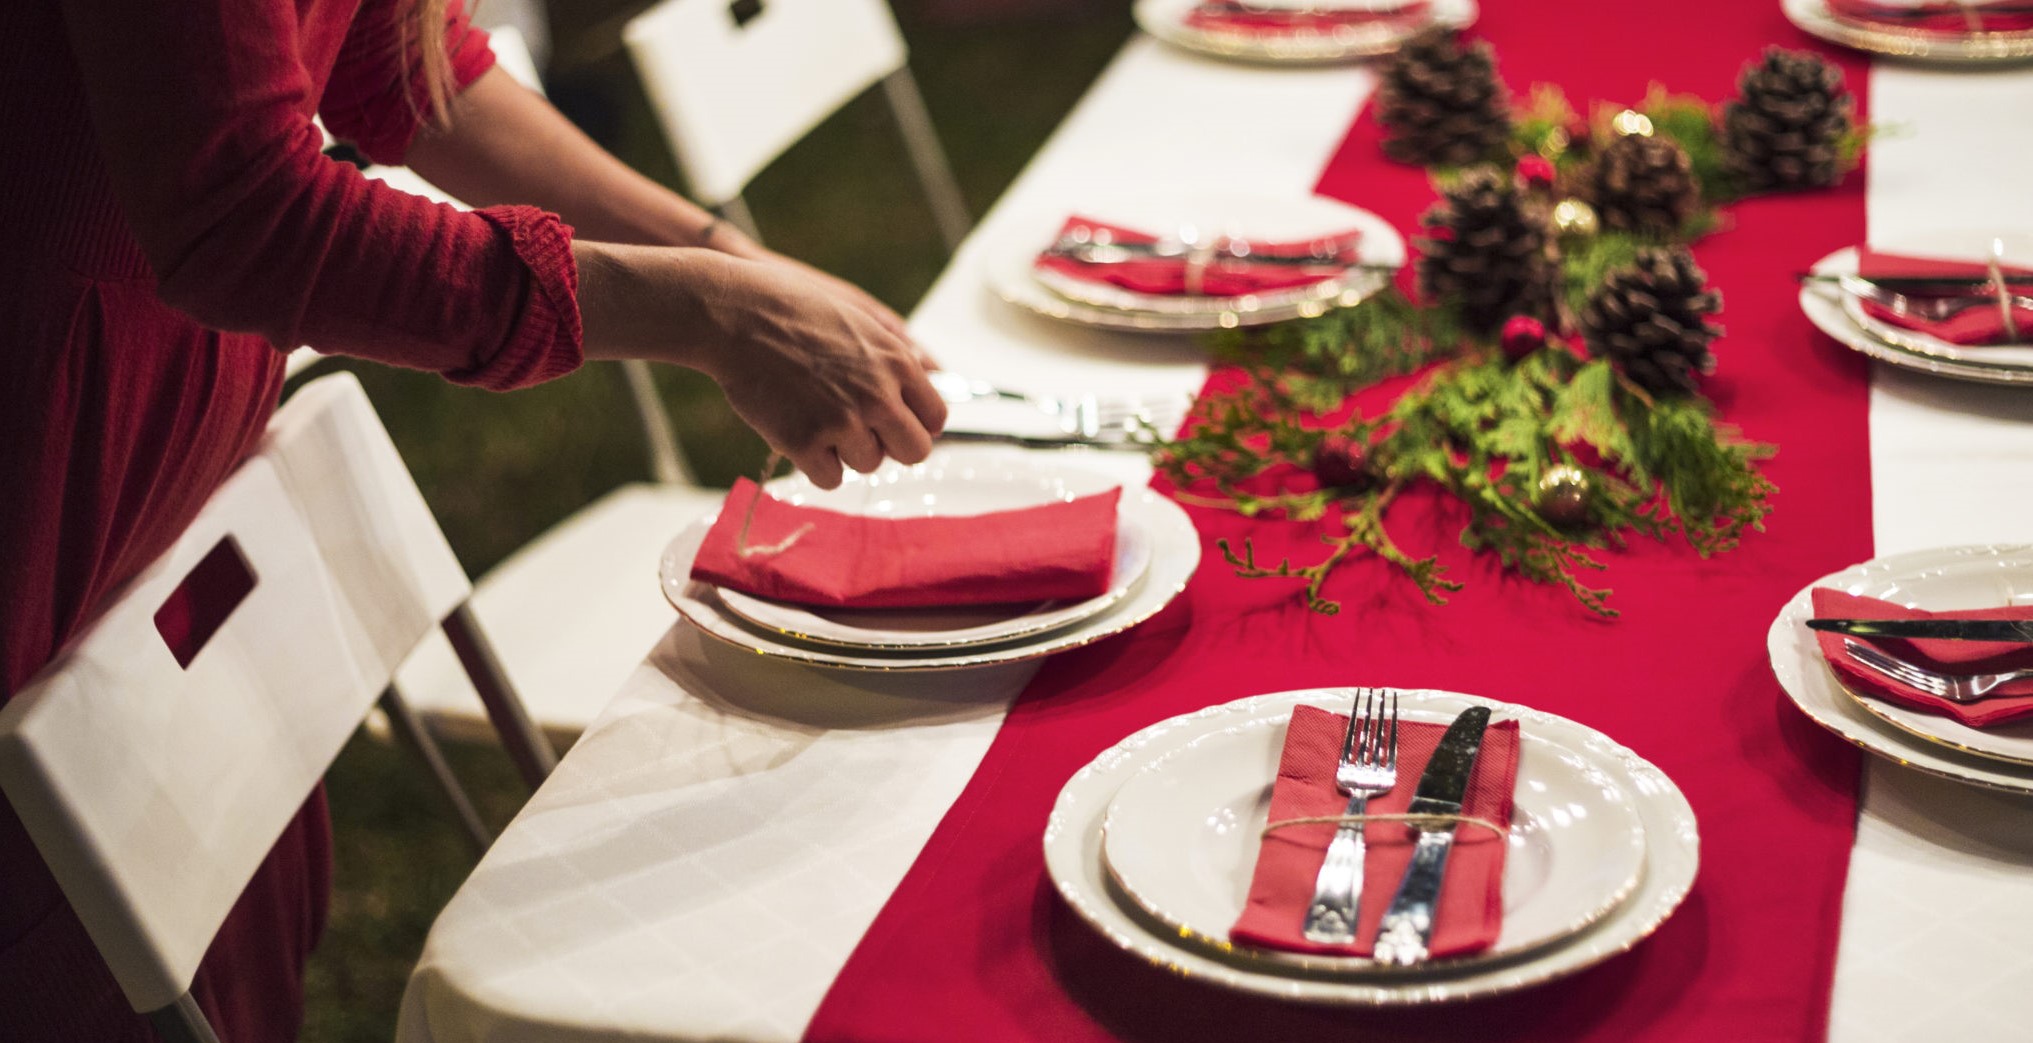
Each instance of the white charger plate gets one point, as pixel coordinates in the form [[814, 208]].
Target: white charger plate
[[1182, 835], [1073, 859], [1946, 578], [1166, 20], [1009, 260], [956, 480], [1814, 17], [1824, 307], [960, 626]]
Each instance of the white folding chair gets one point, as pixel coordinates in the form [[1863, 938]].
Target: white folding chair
[[161, 754], [735, 84]]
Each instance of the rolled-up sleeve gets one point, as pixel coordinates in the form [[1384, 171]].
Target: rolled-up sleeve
[[201, 110]]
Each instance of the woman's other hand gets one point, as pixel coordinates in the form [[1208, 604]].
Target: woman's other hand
[[817, 370]]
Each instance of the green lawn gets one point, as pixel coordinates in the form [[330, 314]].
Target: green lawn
[[499, 469]]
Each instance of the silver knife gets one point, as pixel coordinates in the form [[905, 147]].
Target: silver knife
[[1407, 927], [2020, 630]]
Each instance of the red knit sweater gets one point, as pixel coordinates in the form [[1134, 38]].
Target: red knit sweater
[[168, 227]]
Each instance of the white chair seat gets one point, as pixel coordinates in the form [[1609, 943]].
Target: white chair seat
[[571, 614]]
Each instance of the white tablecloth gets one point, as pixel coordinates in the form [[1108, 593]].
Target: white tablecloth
[[706, 858]]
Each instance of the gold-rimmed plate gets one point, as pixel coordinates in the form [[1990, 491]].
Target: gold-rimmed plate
[[1827, 307], [1009, 260], [958, 474], [1938, 579], [2011, 742], [1182, 835], [1166, 20], [1814, 17], [1073, 860]]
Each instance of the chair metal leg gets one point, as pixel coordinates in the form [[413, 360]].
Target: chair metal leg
[[412, 733], [666, 462], [736, 211], [949, 208], [182, 1022], [527, 745]]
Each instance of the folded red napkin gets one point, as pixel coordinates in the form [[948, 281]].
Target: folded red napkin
[[1471, 899], [1977, 325], [1061, 550], [2008, 703], [1226, 276], [1955, 19], [1238, 16]]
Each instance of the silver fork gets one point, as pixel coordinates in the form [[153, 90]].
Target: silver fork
[[1086, 416], [1933, 309], [1956, 688], [1368, 767]]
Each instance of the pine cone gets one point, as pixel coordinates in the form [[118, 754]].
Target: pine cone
[[1786, 130], [1650, 321], [1441, 104], [1487, 251], [1643, 183]]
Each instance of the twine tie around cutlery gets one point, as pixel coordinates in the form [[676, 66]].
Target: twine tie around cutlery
[[768, 550], [1405, 817], [2004, 292]]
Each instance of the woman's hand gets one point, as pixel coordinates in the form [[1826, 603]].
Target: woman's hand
[[824, 380], [821, 376]]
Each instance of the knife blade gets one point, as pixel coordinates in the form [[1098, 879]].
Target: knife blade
[[2019, 630], [1406, 932]]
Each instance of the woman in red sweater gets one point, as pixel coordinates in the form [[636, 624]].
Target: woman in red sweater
[[169, 227]]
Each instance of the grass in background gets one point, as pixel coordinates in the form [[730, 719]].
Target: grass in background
[[500, 469]]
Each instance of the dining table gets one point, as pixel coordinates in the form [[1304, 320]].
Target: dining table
[[743, 848]]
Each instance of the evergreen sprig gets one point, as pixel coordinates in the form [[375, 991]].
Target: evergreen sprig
[[1486, 432]]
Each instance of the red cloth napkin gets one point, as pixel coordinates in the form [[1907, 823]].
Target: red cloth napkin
[[1953, 19], [1062, 550], [1237, 16], [1979, 325], [2008, 703], [1224, 277], [1471, 911]]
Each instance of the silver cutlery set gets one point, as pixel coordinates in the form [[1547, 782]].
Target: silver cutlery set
[[1082, 421], [1368, 768], [1959, 688]]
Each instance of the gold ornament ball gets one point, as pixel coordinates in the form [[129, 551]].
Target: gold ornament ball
[[1631, 121], [1564, 494], [1575, 219]]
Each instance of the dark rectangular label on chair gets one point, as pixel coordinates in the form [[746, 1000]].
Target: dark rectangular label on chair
[[744, 11], [198, 607]]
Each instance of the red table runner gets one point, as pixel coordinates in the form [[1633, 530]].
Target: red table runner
[[975, 945]]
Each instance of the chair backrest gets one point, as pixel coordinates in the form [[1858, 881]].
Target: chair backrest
[[371, 524], [156, 760], [735, 84]]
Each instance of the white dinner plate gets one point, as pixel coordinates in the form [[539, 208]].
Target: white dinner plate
[[1813, 16], [1073, 859], [1182, 835], [1946, 578], [1825, 307], [1166, 20], [955, 480], [1010, 270], [957, 627]]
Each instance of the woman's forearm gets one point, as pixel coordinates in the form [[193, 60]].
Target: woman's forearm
[[508, 144]]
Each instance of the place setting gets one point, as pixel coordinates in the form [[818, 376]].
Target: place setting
[[1959, 304], [972, 558], [1173, 263], [1954, 32], [1924, 658], [1296, 31], [1371, 846]]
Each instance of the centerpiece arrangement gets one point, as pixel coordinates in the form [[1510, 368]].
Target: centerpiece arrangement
[[1561, 323]]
